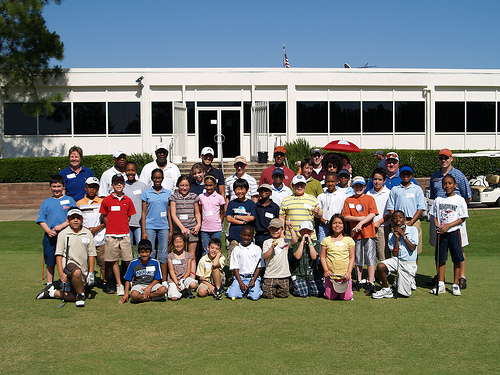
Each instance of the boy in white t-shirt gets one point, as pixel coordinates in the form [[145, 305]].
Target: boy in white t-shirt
[[449, 214], [331, 202]]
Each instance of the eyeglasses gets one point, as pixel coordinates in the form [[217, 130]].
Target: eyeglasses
[[444, 157], [279, 154]]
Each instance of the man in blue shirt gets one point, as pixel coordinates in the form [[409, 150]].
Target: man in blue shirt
[[392, 168]]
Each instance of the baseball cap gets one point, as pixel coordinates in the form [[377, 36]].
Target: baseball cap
[[276, 223], [207, 151], [339, 286], [392, 155], [240, 159], [344, 172], [264, 186], [117, 178], [358, 180], [118, 153], [74, 211], [161, 146], [306, 225], [406, 168], [91, 181], [299, 179], [278, 171], [379, 152], [446, 152], [280, 149], [316, 150]]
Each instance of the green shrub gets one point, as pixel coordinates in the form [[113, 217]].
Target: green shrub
[[297, 150]]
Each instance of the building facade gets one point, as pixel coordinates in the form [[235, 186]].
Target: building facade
[[251, 110]]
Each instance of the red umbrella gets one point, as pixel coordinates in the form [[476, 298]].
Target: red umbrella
[[342, 145]]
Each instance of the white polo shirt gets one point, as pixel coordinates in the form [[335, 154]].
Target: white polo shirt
[[171, 174]]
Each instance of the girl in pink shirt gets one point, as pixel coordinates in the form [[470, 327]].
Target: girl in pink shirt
[[212, 213]]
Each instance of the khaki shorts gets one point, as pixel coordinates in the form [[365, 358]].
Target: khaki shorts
[[100, 256], [205, 286], [117, 248], [382, 240], [140, 288], [417, 224], [174, 292], [71, 268], [190, 237]]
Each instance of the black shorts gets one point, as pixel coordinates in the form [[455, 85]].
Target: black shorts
[[451, 241]]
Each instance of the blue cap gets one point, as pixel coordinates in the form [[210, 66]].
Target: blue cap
[[406, 168], [278, 171]]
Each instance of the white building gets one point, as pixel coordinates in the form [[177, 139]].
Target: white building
[[132, 109]]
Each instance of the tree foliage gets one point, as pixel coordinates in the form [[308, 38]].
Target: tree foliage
[[26, 50]]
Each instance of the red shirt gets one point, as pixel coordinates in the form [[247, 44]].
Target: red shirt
[[118, 211], [362, 206], [267, 175]]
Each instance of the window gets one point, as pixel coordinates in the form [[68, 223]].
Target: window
[[312, 117], [480, 117], [17, 122], [190, 117], [277, 117], [345, 117], [124, 118], [161, 118], [450, 117], [377, 117], [57, 123], [89, 118], [219, 104], [410, 117], [247, 117]]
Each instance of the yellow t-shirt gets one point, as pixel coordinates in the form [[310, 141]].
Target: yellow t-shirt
[[204, 268], [337, 254]]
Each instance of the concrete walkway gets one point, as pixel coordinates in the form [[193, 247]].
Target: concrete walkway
[[29, 214]]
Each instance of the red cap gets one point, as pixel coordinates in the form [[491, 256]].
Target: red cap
[[280, 149], [445, 152]]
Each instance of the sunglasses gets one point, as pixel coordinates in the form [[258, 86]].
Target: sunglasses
[[444, 157]]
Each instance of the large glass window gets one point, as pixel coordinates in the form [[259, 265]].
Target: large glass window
[[450, 117], [89, 118], [17, 122], [161, 118], [410, 117], [277, 117], [57, 123], [345, 117], [312, 117], [377, 117], [247, 117], [124, 118], [190, 117], [480, 117]]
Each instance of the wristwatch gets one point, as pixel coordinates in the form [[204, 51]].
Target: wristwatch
[[244, 222]]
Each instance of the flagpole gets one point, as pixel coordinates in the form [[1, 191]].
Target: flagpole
[[284, 58]]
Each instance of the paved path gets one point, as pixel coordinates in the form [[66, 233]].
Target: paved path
[[29, 214]]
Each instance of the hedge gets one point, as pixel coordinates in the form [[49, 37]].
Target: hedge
[[40, 169]]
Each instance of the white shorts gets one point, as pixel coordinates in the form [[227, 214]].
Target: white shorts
[[140, 288], [173, 292], [407, 272]]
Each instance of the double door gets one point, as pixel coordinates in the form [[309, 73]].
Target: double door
[[220, 124]]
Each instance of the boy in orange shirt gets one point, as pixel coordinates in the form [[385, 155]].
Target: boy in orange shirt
[[359, 210]]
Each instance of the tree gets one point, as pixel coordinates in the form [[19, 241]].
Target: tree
[[26, 50]]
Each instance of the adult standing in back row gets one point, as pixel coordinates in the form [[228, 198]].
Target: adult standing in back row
[[170, 171], [266, 176], [76, 174], [120, 160], [207, 157], [392, 168]]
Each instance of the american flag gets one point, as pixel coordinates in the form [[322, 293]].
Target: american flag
[[286, 64]]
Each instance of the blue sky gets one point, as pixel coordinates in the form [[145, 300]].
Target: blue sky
[[317, 34]]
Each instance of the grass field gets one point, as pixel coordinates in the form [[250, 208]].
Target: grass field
[[421, 334]]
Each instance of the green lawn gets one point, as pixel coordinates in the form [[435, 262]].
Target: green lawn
[[422, 334]]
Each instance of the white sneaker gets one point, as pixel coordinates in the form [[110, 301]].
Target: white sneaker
[[440, 290], [120, 290], [383, 293], [413, 285], [80, 300], [455, 290]]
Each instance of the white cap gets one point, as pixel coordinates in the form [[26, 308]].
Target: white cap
[[92, 181], [117, 154], [306, 225], [299, 179], [160, 146], [74, 211], [358, 180], [207, 150]]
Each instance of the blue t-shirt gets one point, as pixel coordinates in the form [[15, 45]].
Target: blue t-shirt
[[75, 183], [197, 188], [407, 199], [143, 274], [236, 207], [390, 182], [54, 211], [157, 203], [404, 253], [264, 214]]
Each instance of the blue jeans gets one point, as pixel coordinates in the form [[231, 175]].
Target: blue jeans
[[162, 243], [235, 291], [205, 239], [135, 237], [322, 232]]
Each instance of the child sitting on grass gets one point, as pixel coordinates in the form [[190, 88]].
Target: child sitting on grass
[[402, 242], [337, 260], [449, 214], [76, 251], [246, 262], [145, 275], [209, 271], [180, 282]]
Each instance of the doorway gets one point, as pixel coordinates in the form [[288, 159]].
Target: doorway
[[224, 123]]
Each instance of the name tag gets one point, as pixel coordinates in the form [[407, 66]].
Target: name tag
[[85, 240], [339, 243], [116, 208], [208, 213], [269, 215], [410, 195], [150, 269], [208, 265], [308, 206], [183, 217], [66, 201], [163, 214], [176, 261], [351, 205], [137, 192], [71, 175]]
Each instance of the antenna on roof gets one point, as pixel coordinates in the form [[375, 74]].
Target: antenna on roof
[[367, 66]]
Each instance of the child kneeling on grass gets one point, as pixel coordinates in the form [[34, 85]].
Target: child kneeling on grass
[[75, 249], [209, 271], [275, 249], [145, 275], [179, 261], [246, 262], [403, 242]]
